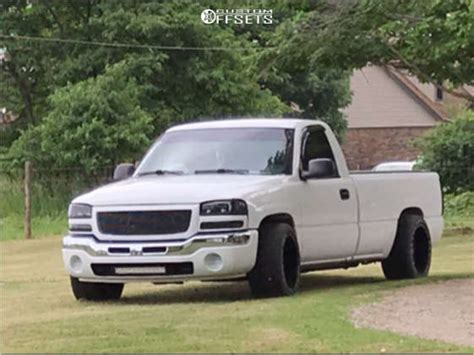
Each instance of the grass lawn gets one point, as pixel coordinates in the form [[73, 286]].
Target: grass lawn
[[11, 226], [38, 312]]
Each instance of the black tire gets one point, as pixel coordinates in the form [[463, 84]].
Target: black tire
[[277, 269], [92, 291], [410, 256]]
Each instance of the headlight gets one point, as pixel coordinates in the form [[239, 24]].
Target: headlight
[[79, 211], [223, 207]]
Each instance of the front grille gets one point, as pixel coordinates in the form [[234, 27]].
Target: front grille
[[144, 222], [169, 269]]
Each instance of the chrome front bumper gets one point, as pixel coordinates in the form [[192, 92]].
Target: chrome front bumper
[[213, 256]]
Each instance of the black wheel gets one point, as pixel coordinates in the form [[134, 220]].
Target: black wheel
[[92, 291], [277, 270], [410, 256]]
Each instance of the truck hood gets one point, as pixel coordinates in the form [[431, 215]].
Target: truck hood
[[180, 189]]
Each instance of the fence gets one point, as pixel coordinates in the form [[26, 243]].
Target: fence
[[39, 191]]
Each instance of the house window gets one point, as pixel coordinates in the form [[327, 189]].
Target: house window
[[439, 94]]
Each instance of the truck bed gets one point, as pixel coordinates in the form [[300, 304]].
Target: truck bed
[[381, 198]]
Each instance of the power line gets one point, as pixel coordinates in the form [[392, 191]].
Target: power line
[[160, 47], [121, 45], [165, 48]]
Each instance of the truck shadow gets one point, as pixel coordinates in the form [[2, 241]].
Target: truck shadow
[[217, 292], [316, 283]]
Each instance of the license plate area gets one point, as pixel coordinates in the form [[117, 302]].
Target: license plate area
[[135, 269], [144, 270]]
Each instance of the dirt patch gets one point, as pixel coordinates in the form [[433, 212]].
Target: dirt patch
[[441, 311], [269, 338]]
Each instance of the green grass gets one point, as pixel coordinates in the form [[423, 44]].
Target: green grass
[[38, 312], [11, 227], [458, 225], [49, 209]]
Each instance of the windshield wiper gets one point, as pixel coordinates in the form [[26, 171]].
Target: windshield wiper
[[222, 171], [162, 172]]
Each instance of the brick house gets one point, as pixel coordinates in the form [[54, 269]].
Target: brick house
[[389, 110]]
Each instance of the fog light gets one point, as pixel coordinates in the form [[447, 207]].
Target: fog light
[[76, 263], [213, 262], [238, 238]]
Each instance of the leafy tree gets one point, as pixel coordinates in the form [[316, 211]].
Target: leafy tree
[[449, 150], [309, 89], [93, 123], [315, 93], [29, 69], [168, 85], [171, 85], [432, 39]]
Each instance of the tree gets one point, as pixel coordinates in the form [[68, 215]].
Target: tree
[[316, 93], [432, 39], [449, 150], [29, 69], [67, 46], [94, 123], [171, 85], [309, 89], [193, 78]]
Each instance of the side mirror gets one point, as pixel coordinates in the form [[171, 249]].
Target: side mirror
[[319, 168], [123, 171]]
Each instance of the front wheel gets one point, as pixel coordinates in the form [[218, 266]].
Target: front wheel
[[92, 291], [277, 270], [410, 256]]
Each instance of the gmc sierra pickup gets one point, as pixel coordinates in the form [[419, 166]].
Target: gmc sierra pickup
[[264, 199]]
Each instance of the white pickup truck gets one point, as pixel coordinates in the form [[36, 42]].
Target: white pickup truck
[[262, 199]]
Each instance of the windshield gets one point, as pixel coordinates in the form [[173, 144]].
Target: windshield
[[263, 151]]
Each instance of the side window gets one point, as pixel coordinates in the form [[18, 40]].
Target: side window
[[316, 146]]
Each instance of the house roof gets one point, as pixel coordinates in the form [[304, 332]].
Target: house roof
[[385, 97]]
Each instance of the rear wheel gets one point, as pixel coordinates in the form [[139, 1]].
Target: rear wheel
[[277, 270], [410, 256], [92, 291]]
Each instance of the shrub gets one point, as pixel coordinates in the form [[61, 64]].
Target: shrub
[[461, 205], [449, 150]]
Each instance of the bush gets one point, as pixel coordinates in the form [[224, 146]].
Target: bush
[[449, 150], [461, 205]]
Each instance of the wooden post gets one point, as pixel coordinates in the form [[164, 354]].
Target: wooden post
[[27, 216]]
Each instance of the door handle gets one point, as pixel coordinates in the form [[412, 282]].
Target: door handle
[[344, 193]]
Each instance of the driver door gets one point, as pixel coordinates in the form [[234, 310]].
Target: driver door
[[328, 206]]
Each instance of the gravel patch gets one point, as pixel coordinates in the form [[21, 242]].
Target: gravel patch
[[441, 311]]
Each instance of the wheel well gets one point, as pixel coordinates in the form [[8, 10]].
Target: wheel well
[[411, 210], [278, 218]]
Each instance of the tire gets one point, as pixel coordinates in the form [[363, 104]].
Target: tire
[[92, 291], [410, 256], [277, 269]]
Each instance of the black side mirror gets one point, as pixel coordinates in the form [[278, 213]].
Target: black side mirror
[[319, 168], [124, 171]]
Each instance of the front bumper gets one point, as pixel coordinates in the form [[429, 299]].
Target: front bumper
[[202, 257]]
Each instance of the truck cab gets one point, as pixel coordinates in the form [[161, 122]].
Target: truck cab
[[261, 199]]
